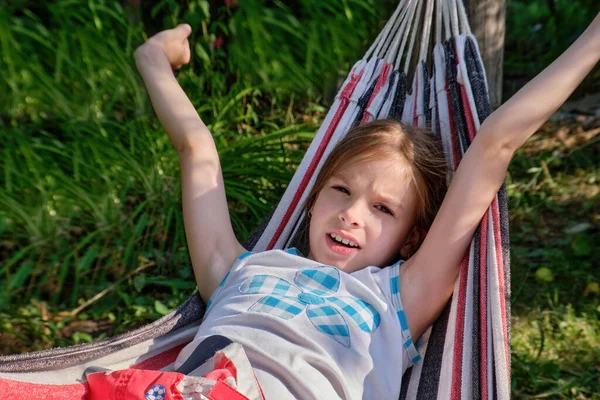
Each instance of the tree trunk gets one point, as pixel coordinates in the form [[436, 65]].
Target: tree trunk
[[487, 20]]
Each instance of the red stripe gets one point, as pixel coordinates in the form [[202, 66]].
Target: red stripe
[[345, 97], [468, 113], [500, 261], [17, 390], [461, 306], [500, 267], [380, 83], [160, 360], [460, 331], [483, 376], [460, 317], [416, 93], [262, 394], [483, 383]]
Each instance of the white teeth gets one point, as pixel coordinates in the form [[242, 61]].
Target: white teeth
[[340, 239]]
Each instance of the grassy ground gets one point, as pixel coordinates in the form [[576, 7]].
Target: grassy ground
[[554, 193], [91, 233]]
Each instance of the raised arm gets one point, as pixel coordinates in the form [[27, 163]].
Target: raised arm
[[428, 278], [211, 241]]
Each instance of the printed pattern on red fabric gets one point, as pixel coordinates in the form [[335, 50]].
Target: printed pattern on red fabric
[[156, 392], [135, 384]]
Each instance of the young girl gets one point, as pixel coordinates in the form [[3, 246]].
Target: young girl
[[339, 322]]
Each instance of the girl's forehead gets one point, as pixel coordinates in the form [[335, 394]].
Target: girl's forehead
[[383, 170], [384, 178]]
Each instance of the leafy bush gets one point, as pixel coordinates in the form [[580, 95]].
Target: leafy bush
[[90, 183], [537, 32], [301, 47]]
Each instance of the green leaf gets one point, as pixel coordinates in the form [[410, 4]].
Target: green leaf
[[19, 278], [582, 245], [161, 308], [139, 282], [82, 337], [201, 52], [86, 261], [126, 298]]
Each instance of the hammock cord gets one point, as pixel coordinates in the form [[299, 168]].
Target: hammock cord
[[438, 22], [464, 21], [427, 22], [384, 34], [404, 31], [393, 40], [394, 46], [454, 18], [446, 15], [413, 37]]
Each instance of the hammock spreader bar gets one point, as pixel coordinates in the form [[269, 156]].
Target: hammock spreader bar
[[466, 353]]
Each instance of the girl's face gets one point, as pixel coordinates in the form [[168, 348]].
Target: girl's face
[[370, 207]]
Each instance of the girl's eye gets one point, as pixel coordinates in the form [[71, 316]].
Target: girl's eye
[[384, 209], [342, 189]]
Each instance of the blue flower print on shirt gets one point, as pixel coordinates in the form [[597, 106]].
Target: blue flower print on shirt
[[314, 293]]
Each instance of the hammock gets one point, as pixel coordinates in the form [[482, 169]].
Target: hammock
[[466, 352]]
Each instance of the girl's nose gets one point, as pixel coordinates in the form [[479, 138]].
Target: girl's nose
[[352, 215]]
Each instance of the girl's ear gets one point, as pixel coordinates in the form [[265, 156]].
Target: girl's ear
[[412, 243]]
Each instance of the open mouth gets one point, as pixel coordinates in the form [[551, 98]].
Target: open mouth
[[336, 243], [344, 242]]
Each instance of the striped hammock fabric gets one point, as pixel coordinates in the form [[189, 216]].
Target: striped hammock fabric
[[466, 353]]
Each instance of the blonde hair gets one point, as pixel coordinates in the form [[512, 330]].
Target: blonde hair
[[380, 140]]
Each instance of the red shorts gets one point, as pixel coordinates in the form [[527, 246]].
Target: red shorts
[[230, 378]]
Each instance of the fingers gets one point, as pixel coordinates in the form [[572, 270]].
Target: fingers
[[184, 30], [187, 54], [175, 45]]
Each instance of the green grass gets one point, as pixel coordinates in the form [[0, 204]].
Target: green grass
[[90, 182], [91, 230], [554, 198]]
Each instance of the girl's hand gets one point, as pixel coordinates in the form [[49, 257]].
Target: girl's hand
[[172, 42]]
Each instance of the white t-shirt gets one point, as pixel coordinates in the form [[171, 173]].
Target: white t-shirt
[[310, 330]]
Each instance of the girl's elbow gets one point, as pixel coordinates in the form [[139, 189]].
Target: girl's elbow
[[497, 144]]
